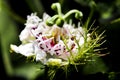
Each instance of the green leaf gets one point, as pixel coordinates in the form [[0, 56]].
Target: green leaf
[[93, 67], [29, 70], [8, 34], [26, 68]]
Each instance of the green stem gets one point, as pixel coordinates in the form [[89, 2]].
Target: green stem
[[58, 7], [51, 20], [54, 17], [71, 12]]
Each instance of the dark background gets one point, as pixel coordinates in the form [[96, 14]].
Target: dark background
[[22, 9]]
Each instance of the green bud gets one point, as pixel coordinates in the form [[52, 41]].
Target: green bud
[[60, 22], [49, 22], [54, 7], [78, 15], [92, 4]]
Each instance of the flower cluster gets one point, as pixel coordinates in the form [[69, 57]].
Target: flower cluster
[[57, 43], [49, 43]]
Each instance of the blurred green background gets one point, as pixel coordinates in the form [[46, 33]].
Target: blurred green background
[[13, 14]]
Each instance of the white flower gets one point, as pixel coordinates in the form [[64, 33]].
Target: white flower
[[50, 45], [32, 23]]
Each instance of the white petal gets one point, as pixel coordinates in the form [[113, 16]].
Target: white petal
[[81, 41], [58, 49], [70, 43], [14, 48], [26, 36], [46, 45], [40, 55], [33, 19], [45, 16], [81, 30], [26, 49]]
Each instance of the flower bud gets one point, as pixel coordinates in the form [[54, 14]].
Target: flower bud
[[92, 4], [54, 7], [78, 15], [54, 62], [49, 22], [60, 22]]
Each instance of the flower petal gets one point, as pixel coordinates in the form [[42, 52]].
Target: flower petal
[[46, 45], [58, 49], [24, 49]]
